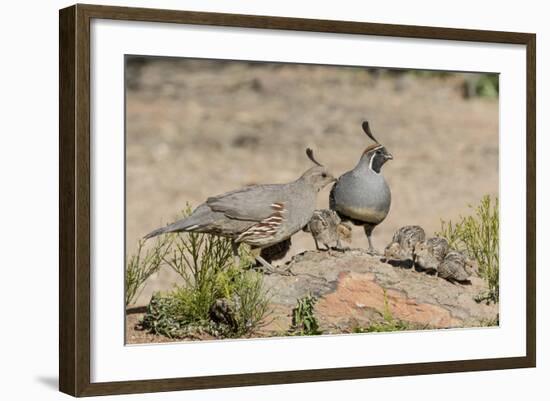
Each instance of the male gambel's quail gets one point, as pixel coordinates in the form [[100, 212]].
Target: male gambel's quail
[[362, 195], [456, 267], [403, 243], [429, 254], [258, 215], [327, 229]]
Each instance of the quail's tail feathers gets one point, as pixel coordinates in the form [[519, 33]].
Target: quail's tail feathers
[[200, 217], [156, 232], [181, 225]]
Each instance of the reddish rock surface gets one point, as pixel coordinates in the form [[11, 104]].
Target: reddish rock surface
[[359, 298], [355, 289]]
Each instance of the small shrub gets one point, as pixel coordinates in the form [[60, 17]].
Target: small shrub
[[481, 85], [252, 302], [304, 321], [161, 317], [487, 85], [186, 311], [142, 265], [209, 275], [383, 327], [389, 323], [478, 236], [198, 258]]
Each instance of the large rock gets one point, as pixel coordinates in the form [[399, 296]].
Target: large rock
[[355, 290]]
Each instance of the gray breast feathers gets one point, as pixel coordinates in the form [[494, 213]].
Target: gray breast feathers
[[363, 196]]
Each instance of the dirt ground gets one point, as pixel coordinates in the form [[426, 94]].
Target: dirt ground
[[200, 128]]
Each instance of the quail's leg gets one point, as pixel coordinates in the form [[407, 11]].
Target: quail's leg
[[266, 265], [412, 260], [339, 246], [324, 247], [269, 267], [316, 244], [236, 257], [368, 232]]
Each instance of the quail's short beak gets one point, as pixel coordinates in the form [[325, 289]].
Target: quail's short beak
[[388, 156]]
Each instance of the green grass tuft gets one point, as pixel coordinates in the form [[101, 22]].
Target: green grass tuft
[[478, 236], [186, 311], [388, 324]]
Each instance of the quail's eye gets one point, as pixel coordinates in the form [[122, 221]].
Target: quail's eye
[[324, 175]]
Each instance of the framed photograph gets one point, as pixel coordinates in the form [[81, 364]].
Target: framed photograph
[[249, 200]]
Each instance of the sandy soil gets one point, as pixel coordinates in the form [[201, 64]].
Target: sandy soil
[[199, 128]]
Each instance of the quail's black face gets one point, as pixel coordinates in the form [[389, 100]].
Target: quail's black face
[[377, 157]]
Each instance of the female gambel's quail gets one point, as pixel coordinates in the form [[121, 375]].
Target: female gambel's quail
[[258, 215], [403, 243], [327, 228], [456, 267], [429, 254], [362, 194]]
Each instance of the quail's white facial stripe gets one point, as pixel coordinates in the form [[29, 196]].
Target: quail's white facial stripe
[[371, 161], [373, 157]]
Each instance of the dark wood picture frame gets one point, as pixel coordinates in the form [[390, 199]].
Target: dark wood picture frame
[[74, 199]]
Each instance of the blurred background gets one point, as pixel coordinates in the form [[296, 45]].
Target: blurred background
[[196, 128]]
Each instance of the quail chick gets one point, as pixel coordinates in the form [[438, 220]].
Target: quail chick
[[403, 243], [222, 312], [429, 254], [456, 267], [327, 229], [393, 251], [345, 232], [258, 215], [362, 195]]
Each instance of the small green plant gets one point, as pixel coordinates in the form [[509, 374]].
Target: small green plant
[[383, 327], [210, 278], [389, 323], [304, 321], [487, 85], [142, 265], [251, 301], [478, 236], [481, 85], [198, 258], [161, 317], [187, 311]]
